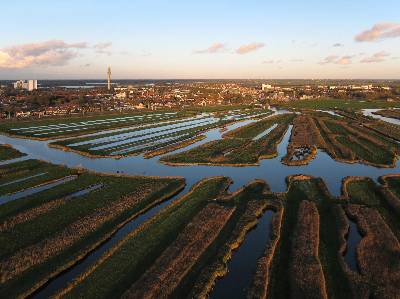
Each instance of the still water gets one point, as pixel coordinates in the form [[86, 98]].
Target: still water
[[270, 170]]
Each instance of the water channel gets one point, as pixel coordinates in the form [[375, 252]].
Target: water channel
[[270, 170]]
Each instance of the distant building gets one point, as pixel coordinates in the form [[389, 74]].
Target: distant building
[[265, 87], [28, 85], [109, 78]]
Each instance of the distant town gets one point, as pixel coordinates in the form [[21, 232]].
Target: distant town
[[36, 99]]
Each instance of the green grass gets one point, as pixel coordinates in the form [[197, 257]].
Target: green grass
[[383, 152], [238, 147], [331, 104], [54, 221], [366, 192], [7, 153], [29, 168], [206, 153], [386, 129], [8, 126], [252, 130], [118, 272], [368, 151], [389, 113], [109, 152], [393, 184]]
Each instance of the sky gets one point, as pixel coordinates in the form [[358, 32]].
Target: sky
[[208, 39]]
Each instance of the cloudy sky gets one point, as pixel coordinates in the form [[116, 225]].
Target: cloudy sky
[[200, 39]]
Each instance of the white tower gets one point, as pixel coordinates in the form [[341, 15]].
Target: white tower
[[109, 78]]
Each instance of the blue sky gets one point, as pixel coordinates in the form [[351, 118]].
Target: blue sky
[[200, 39]]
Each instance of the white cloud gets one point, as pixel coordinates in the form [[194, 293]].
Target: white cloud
[[377, 57], [214, 48], [103, 48], [244, 49], [334, 59], [271, 61], [379, 31], [48, 53]]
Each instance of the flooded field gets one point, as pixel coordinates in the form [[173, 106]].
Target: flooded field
[[274, 178]]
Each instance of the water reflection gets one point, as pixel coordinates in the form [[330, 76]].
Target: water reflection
[[369, 112], [243, 264], [353, 239]]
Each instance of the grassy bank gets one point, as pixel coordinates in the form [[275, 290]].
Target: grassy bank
[[118, 269], [7, 152], [333, 104], [238, 147], [45, 232]]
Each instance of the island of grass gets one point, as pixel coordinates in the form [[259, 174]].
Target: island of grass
[[51, 128], [370, 207], [46, 231], [7, 152], [141, 141], [391, 113], [121, 267], [243, 146], [48, 128], [304, 249], [339, 104], [358, 140], [344, 139]]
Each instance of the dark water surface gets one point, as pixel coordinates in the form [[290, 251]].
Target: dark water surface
[[242, 266], [353, 239]]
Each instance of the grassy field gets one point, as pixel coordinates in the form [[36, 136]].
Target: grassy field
[[44, 232], [366, 192], [378, 223], [350, 141], [120, 268], [28, 174], [238, 147], [69, 126], [7, 152], [65, 127], [337, 104], [148, 144], [391, 113], [344, 139]]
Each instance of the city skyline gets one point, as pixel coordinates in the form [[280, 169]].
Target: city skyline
[[205, 40]]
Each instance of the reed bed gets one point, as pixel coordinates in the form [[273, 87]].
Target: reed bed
[[378, 252], [259, 287], [30, 214], [250, 204], [7, 152], [168, 270], [115, 272], [43, 250], [303, 142], [307, 278]]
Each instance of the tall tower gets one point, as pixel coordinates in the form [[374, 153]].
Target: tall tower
[[109, 78]]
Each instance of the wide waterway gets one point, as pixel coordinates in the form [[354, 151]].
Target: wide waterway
[[270, 170]]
